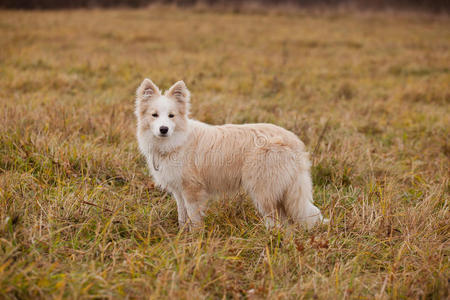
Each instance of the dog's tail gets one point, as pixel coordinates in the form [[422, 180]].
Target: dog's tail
[[298, 202]]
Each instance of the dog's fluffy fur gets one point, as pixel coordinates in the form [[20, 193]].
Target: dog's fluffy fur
[[193, 160]]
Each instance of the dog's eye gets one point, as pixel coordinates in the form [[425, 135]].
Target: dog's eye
[[171, 116], [155, 115]]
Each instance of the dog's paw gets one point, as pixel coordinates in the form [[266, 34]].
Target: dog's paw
[[190, 227], [183, 227]]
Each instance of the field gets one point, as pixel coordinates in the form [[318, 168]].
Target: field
[[368, 93]]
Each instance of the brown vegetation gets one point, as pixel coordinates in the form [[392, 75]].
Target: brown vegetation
[[368, 92]]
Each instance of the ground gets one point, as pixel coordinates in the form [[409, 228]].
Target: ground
[[368, 93]]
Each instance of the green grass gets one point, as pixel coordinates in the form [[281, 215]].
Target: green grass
[[369, 94]]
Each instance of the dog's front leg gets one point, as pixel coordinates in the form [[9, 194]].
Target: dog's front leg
[[194, 202], [181, 208]]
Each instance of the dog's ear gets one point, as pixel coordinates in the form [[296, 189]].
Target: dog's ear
[[147, 90], [179, 92]]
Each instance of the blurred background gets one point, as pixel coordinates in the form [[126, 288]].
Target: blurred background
[[430, 5]]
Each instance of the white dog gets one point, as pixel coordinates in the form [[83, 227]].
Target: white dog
[[193, 160]]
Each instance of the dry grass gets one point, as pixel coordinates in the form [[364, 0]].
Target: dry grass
[[368, 93]]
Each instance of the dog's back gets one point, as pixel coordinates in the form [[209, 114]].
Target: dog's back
[[269, 162]]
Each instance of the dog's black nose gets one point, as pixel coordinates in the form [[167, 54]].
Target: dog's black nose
[[163, 129]]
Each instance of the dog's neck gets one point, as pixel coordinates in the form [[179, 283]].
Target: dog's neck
[[165, 146], [162, 149]]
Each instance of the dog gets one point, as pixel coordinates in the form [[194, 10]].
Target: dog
[[194, 160]]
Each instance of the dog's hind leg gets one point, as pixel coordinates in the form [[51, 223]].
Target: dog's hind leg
[[298, 201], [264, 179], [269, 207], [272, 213]]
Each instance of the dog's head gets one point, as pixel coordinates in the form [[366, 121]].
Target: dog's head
[[162, 114]]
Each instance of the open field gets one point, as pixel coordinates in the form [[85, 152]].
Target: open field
[[368, 93]]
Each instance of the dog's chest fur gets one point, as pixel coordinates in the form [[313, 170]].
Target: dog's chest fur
[[166, 170]]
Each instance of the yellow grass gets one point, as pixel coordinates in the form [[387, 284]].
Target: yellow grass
[[369, 93]]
